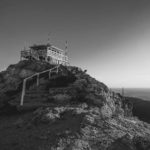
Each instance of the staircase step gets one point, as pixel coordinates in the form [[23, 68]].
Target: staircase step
[[35, 97], [36, 94], [30, 100], [33, 106], [37, 91]]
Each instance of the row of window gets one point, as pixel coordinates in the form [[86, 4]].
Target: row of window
[[55, 50], [56, 54], [58, 57]]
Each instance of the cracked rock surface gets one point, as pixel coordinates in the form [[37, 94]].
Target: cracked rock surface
[[74, 112]]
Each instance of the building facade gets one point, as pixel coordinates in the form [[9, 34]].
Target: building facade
[[48, 53]]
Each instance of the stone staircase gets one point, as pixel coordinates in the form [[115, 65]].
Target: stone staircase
[[36, 96]]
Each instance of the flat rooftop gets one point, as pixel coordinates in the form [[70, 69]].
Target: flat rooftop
[[44, 46]]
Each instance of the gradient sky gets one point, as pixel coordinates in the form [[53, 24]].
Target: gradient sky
[[109, 38]]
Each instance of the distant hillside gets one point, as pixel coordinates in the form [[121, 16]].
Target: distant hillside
[[142, 93], [141, 108]]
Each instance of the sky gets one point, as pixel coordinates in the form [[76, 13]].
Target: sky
[[109, 38]]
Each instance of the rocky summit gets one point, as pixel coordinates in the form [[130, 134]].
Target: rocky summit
[[70, 111]]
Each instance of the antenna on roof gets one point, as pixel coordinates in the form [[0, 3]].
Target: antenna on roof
[[48, 40], [24, 48], [66, 48], [123, 93]]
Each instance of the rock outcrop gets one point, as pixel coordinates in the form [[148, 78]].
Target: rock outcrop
[[11, 79], [79, 113], [92, 130]]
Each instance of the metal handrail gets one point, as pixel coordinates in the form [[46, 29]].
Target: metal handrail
[[38, 76]]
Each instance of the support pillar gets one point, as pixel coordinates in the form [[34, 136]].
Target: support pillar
[[20, 57], [38, 80], [57, 70], [49, 74], [23, 92]]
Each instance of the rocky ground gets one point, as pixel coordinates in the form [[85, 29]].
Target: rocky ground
[[79, 113]]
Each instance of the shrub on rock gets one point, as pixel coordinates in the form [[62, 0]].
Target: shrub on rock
[[61, 98]]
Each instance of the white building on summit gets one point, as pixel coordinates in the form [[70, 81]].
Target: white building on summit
[[47, 52]]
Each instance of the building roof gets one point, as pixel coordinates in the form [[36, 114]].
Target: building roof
[[45, 46], [40, 47]]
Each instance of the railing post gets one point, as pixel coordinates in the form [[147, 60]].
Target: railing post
[[49, 74], [57, 69], [23, 92], [38, 75]]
